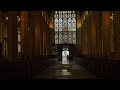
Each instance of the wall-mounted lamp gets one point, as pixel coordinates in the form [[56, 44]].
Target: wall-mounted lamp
[[17, 17], [111, 17], [45, 18], [112, 14], [86, 13], [6, 18], [84, 17], [42, 13]]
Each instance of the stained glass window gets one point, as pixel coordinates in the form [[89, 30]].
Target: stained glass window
[[74, 37], [65, 27], [69, 22], [65, 21], [70, 38], [56, 24], [56, 37], [60, 22], [65, 38], [60, 37]]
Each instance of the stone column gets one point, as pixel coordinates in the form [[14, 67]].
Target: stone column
[[111, 35], [86, 36], [82, 37], [47, 40], [1, 33], [41, 34], [119, 35], [37, 33], [98, 21], [116, 34], [12, 36], [93, 33], [31, 31], [89, 34], [44, 36], [24, 34], [106, 33], [1, 27]]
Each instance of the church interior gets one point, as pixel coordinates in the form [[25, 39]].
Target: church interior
[[59, 45]]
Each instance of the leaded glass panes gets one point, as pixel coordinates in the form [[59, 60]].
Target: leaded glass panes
[[56, 37], [73, 24], [60, 37], [60, 24], [65, 38], [65, 22], [74, 37], [56, 24], [65, 27], [69, 23], [70, 38]]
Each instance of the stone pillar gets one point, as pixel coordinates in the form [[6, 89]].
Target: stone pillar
[[41, 33], [47, 40], [1, 33], [86, 36], [78, 34], [44, 36], [44, 43], [37, 33], [93, 33], [24, 34], [116, 34], [98, 21], [119, 36], [1, 27], [89, 34], [106, 33], [12, 36], [111, 35], [51, 32], [31, 33], [82, 38]]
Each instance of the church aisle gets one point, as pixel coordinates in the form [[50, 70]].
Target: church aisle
[[70, 70]]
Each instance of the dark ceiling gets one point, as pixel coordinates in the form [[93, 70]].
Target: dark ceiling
[[49, 13]]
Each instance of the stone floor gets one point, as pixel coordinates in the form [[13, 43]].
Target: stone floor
[[66, 69]]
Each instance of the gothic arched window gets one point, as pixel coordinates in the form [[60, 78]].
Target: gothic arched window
[[65, 27]]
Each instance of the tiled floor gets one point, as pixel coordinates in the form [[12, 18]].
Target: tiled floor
[[66, 69]]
